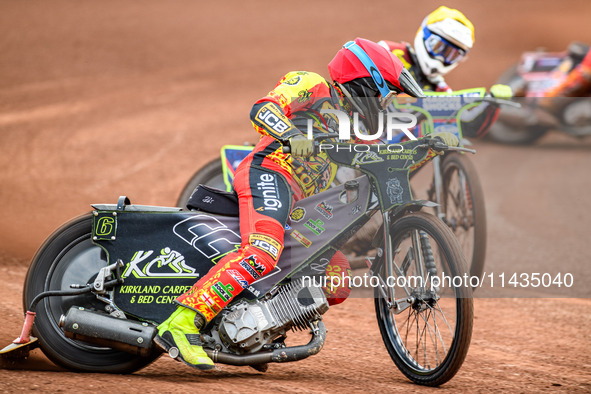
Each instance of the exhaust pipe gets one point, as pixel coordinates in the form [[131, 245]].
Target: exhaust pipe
[[136, 338], [98, 329], [282, 355]]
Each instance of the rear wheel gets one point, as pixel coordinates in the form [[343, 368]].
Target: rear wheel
[[69, 257], [426, 326], [463, 206], [211, 175]]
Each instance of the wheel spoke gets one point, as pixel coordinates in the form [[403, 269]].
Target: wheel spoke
[[433, 313]]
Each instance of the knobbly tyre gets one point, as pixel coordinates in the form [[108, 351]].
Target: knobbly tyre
[[455, 186], [96, 290], [535, 73]]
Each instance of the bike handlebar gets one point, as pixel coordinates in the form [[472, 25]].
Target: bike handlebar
[[501, 101], [421, 117], [431, 143], [437, 144]]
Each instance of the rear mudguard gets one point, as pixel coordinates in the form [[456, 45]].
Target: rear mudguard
[[166, 250]]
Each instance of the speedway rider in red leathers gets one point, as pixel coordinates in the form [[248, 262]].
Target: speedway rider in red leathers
[[443, 40], [268, 181]]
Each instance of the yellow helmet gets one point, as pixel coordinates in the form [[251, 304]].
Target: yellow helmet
[[443, 40]]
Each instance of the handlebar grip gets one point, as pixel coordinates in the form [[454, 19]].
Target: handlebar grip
[[502, 101], [317, 139], [436, 145]]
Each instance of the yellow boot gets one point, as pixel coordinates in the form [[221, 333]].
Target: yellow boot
[[179, 331]]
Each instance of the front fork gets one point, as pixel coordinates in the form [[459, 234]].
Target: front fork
[[438, 186], [421, 255], [386, 255]]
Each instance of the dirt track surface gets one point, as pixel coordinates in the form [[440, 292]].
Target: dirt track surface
[[100, 99]]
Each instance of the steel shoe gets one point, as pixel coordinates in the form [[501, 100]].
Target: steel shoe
[[179, 336]]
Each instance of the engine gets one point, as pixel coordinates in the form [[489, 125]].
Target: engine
[[249, 326]]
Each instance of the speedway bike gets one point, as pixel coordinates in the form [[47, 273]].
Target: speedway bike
[[99, 285], [455, 186], [536, 72]]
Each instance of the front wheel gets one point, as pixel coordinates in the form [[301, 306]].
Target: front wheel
[[69, 257], [463, 207], [425, 323]]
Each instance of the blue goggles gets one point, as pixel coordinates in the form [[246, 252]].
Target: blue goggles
[[439, 48]]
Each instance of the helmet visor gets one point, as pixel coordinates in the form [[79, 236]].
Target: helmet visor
[[439, 48]]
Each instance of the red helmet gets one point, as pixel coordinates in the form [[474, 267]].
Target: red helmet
[[346, 66], [370, 76]]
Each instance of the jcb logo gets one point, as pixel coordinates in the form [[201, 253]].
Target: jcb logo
[[273, 120], [268, 244]]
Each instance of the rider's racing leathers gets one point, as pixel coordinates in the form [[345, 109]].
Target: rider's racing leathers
[[267, 182]]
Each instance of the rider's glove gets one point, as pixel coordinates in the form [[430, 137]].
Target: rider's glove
[[501, 91], [301, 146], [447, 138]]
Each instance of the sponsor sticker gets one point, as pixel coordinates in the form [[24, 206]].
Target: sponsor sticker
[[270, 192], [293, 81], [324, 209], [271, 117], [168, 264], [266, 243], [207, 299], [304, 95], [394, 191], [223, 291], [301, 239], [297, 214], [315, 226], [252, 266], [368, 157], [210, 237], [239, 278]]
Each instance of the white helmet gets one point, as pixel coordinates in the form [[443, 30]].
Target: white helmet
[[444, 38]]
